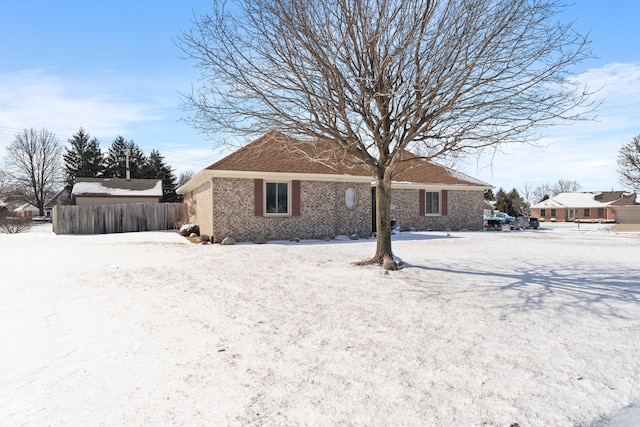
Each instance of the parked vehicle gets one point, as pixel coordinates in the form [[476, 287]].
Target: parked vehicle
[[520, 223], [503, 218], [492, 224], [532, 222], [524, 222]]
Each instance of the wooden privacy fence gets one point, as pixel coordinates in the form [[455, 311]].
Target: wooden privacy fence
[[121, 218]]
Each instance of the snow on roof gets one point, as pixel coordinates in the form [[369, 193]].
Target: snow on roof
[[592, 199], [26, 207], [117, 187]]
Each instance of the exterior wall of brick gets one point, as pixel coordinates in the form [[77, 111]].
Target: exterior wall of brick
[[464, 211], [323, 212], [563, 214]]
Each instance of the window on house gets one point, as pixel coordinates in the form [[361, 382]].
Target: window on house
[[277, 198], [586, 212], [553, 212], [432, 203], [600, 212], [543, 212], [350, 198]]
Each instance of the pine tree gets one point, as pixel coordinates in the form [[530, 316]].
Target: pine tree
[[115, 161], [83, 159], [156, 168]]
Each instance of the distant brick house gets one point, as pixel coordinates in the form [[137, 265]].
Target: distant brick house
[[281, 188], [593, 206], [110, 191]]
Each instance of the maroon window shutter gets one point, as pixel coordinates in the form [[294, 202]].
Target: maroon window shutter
[[258, 197], [295, 198], [445, 210], [422, 201]]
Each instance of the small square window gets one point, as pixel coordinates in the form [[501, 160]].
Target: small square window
[[432, 203], [277, 198]]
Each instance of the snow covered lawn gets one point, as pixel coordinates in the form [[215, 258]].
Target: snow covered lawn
[[539, 328]]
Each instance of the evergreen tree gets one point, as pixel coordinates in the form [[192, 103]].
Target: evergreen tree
[[115, 161], [156, 168], [510, 203], [82, 159]]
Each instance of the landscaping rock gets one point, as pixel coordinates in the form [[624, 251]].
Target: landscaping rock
[[261, 240], [389, 264], [228, 241], [188, 229]]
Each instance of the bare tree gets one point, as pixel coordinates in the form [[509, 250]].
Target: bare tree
[[545, 191], [185, 176], [542, 192], [566, 186], [33, 166], [527, 194], [380, 77], [629, 163]]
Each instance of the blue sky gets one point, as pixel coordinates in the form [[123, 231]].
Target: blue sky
[[113, 68]]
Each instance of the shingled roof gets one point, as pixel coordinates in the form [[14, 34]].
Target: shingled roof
[[276, 152]]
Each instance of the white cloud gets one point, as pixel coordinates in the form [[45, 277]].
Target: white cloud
[[584, 151], [36, 98]]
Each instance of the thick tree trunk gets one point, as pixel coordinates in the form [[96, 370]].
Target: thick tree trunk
[[384, 254]]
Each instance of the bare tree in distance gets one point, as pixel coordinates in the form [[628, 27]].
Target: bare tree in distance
[[527, 193], [566, 186], [185, 176], [33, 165], [443, 79], [542, 192], [545, 191], [629, 163]]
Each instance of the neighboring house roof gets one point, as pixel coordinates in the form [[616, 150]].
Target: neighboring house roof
[[589, 199], [117, 187], [275, 152], [26, 207], [58, 199]]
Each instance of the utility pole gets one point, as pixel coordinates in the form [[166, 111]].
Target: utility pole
[[127, 152]]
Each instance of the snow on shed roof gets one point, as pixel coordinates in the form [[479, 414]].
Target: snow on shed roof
[[117, 187]]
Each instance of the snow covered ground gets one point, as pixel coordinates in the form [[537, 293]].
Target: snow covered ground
[[538, 328]]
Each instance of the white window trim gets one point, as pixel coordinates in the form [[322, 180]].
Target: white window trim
[[264, 198], [426, 192]]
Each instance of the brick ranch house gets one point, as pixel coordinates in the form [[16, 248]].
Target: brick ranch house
[[282, 188], [591, 206]]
